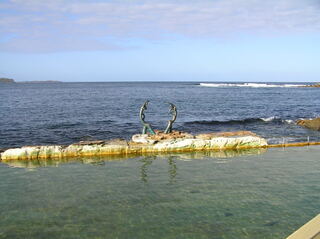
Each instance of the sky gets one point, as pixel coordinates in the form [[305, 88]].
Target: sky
[[167, 40]]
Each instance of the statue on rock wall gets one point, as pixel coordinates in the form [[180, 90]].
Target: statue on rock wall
[[173, 111], [147, 127]]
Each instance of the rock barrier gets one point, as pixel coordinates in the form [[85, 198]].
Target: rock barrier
[[140, 144]]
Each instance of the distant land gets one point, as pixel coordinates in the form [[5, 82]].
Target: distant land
[[7, 80], [41, 81]]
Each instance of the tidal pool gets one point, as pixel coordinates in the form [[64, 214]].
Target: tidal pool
[[238, 194]]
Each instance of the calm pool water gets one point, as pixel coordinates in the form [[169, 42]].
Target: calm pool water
[[254, 194]]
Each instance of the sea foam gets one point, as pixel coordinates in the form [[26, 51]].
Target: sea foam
[[253, 85]]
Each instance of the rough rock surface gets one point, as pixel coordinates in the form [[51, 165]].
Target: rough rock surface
[[314, 85], [225, 134], [142, 139], [174, 135], [160, 136], [313, 124], [174, 142]]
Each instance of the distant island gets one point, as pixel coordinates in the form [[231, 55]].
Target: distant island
[[7, 80]]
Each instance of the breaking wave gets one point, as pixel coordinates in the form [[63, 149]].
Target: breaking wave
[[243, 121], [253, 85]]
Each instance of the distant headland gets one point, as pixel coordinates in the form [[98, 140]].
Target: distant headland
[[6, 80]]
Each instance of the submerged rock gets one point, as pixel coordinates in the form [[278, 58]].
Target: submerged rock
[[313, 124], [140, 144]]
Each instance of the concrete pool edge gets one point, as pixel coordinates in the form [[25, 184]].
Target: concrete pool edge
[[310, 230]]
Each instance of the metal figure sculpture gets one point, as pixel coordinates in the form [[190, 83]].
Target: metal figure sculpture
[[173, 111], [146, 126]]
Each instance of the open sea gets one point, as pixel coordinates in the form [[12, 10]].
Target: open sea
[[233, 194], [63, 113]]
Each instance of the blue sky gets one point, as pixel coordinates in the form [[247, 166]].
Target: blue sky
[[200, 40]]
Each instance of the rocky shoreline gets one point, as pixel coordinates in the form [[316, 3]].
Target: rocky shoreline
[[314, 85], [140, 144], [313, 124]]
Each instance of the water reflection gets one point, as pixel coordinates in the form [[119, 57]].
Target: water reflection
[[172, 168], [146, 162], [146, 159]]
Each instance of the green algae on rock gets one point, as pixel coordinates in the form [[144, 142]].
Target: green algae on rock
[[99, 160], [141, 143]]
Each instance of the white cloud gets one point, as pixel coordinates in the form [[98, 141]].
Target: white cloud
[[145, 19]]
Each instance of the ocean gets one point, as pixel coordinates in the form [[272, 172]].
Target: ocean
[[246, 194], [63, 113]]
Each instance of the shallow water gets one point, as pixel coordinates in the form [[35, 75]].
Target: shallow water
[[239, 194]]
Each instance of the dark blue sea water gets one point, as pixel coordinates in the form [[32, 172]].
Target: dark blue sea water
[[245, 194], [62, 113]]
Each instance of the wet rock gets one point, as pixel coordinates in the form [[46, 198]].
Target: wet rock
[[313, 124], [32, 152]]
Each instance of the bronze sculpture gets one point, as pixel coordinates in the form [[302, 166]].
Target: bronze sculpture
[[173, 111], [147, 127]]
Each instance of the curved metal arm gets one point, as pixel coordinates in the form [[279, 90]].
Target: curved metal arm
[[146, 126], [142, 109], [173, 111]]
